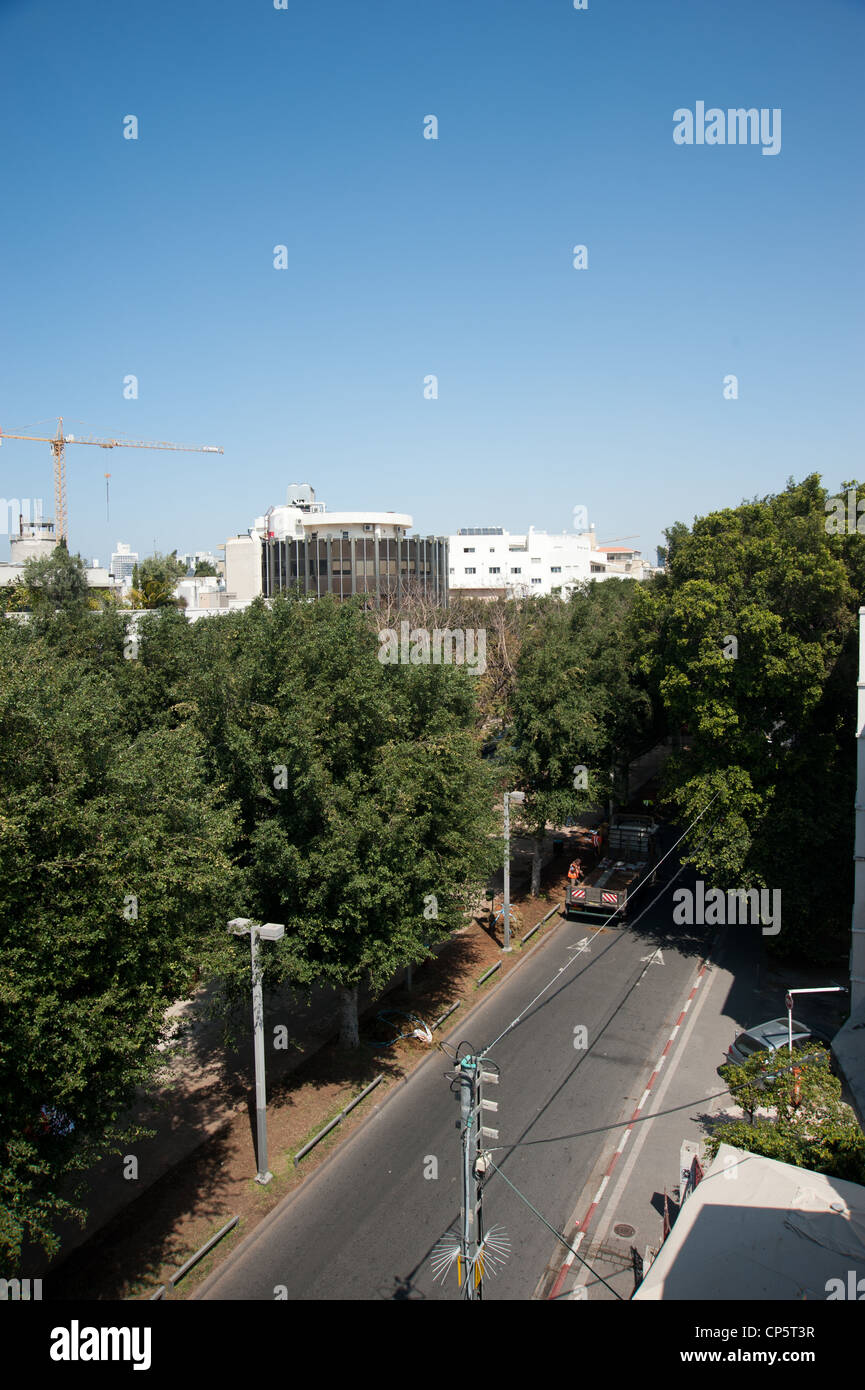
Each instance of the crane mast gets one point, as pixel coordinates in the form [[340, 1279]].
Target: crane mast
[[58, 444]]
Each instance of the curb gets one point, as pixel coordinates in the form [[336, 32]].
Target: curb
[[248, 1241], [552, 1282]]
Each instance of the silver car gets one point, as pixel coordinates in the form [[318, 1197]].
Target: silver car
[[769, 1037]]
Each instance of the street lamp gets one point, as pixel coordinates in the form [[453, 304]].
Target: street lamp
[[271, 931], [788, 1000], [518, 798]]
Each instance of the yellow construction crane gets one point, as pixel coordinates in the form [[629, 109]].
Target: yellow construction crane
[[58, 444]]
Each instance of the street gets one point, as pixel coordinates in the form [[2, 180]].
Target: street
[[365, 1227]]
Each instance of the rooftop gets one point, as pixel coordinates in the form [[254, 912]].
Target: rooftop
[[757, 1229]]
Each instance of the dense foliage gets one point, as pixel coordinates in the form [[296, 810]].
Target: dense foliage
[[158, 777], [766, 721], [264, 765], [805, 1122]]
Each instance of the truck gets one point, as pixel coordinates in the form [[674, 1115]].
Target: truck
[[627, 856]]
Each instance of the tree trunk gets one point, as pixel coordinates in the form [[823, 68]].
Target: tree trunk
[[537, 845], [348, 1027]]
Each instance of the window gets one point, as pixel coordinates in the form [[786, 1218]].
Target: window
[[598, 569], [495, 569], [536, 581], [515, 569], [451, 571], [468, 550], [536, 559], [470, 571], [492, 550], [555, 569]]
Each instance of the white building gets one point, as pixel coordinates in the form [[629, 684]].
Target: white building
[[34, 541], [198, 557], [123, 562], [622, 559], [202, 596], [300, 544], [487, 561], [777, 1232]]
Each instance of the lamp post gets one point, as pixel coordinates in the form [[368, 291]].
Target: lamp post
[[271, 931], [518, 798], [788, 1000]]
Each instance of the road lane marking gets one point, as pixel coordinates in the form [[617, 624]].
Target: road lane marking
[[583, 1227]]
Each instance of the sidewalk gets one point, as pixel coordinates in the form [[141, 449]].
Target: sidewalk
[[736, 990]]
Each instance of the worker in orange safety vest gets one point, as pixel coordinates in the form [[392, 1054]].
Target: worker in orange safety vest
[[575, 872]]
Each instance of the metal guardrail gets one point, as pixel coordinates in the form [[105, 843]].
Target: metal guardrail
[[447, 1013], [301, 1153], [184, 1269], [175, 1278], [556, 908], [492, 970]]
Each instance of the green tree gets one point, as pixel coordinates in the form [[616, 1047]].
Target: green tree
[[56, 581], [205, 568], [365, 805], [579, 712], [749, 646], [808, 1124], [154, 580], [13, 598], [116, 881]]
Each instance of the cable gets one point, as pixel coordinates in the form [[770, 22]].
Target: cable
[[603, 924], [558, 1235]]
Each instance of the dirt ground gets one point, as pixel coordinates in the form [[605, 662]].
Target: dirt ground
[[139, 1249]]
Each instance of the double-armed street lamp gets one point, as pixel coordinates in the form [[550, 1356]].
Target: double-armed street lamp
[[518, 798], [270, 931]]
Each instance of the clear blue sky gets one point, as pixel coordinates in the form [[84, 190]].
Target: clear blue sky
[[408, 256]]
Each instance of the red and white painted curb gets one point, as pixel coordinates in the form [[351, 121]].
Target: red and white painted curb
[[583, 1227]]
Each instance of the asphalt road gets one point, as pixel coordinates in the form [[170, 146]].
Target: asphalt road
[[365, 1226]]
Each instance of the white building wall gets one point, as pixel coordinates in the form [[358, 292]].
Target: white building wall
[[537, 562], [243, 568], [123, 562]]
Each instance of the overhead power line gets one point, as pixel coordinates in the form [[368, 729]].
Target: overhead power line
[[558, 1235], [603, 924]]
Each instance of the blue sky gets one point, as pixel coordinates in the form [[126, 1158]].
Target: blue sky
[[408, 257]]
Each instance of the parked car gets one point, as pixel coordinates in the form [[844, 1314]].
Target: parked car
[[769, 1037]]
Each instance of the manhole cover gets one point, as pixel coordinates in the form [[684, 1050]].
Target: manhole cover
[[624, 1230]]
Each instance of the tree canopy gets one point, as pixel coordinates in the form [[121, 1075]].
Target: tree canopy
[[807, 1123], [749, 648]]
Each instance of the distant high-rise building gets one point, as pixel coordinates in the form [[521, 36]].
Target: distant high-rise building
[[123, 562]]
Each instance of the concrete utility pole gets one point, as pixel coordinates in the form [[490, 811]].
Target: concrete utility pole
[[857, 940], [474, 1074], [271, 931], [518, 798]]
